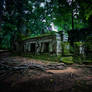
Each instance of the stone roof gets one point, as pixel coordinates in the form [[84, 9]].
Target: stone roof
[[40, 36]]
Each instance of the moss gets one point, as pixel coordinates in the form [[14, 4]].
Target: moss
[[38, 36], [77, 56], [65, 48], [67, 60], [78, 59], [46, 57], [78, 43], [88, 47]]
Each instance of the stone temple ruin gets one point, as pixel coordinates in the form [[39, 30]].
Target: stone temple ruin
[[50, 44]]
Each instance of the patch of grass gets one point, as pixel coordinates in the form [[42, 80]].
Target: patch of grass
[[67, 60], [88, 62], [46, 57]]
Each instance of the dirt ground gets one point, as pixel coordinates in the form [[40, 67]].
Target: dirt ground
[[72, 78]]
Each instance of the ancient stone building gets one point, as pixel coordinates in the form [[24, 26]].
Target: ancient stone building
[[50, 44]]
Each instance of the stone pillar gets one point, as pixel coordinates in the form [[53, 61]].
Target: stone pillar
[[81, 49], [58, 44], [29, 47], [38, 47], [42, 49], [24, 47], [50, 47]]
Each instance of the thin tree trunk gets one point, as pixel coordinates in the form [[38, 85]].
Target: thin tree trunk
[[72, 44], [1, 12], [72, 17], [72, 21]]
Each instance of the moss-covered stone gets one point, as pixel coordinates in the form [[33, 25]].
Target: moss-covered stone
[[67, 60], [78, 56], [65, 48], [88, 48]]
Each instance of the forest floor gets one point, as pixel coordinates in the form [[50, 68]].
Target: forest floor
[[44, 76]]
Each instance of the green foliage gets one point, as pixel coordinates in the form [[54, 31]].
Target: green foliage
[[7, 32], [87, 56], [24, 18], [65, 12], [85, 8], [71, 49], [67, 60], [88, 48], [27, 18], [65, 48], [39, 35], [43, 56], [77, 56], [78, 43]]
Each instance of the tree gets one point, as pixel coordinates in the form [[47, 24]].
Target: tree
[[22, 17], [1, 12], [72, 14]]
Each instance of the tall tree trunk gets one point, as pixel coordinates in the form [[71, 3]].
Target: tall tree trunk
[[72, 44], [72, 21], [1, 12], [72, 17]]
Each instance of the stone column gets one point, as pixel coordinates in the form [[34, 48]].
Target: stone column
[[38, 47], [29, 47], [24, 47], [42, 47], [50, 47], [58, 44], [81, 48]]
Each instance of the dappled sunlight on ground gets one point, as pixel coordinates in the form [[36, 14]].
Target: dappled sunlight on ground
[[57, 77], [67, 70], [24, 60]]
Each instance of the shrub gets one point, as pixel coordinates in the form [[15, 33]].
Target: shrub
[[88, 47], [77, 56], [65, 48]]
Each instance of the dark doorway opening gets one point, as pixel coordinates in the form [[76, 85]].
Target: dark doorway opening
[[46, 47], [33, 47]]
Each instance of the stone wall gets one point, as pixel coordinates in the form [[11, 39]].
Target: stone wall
[[47, 44], [50, 44], [39, 45]]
